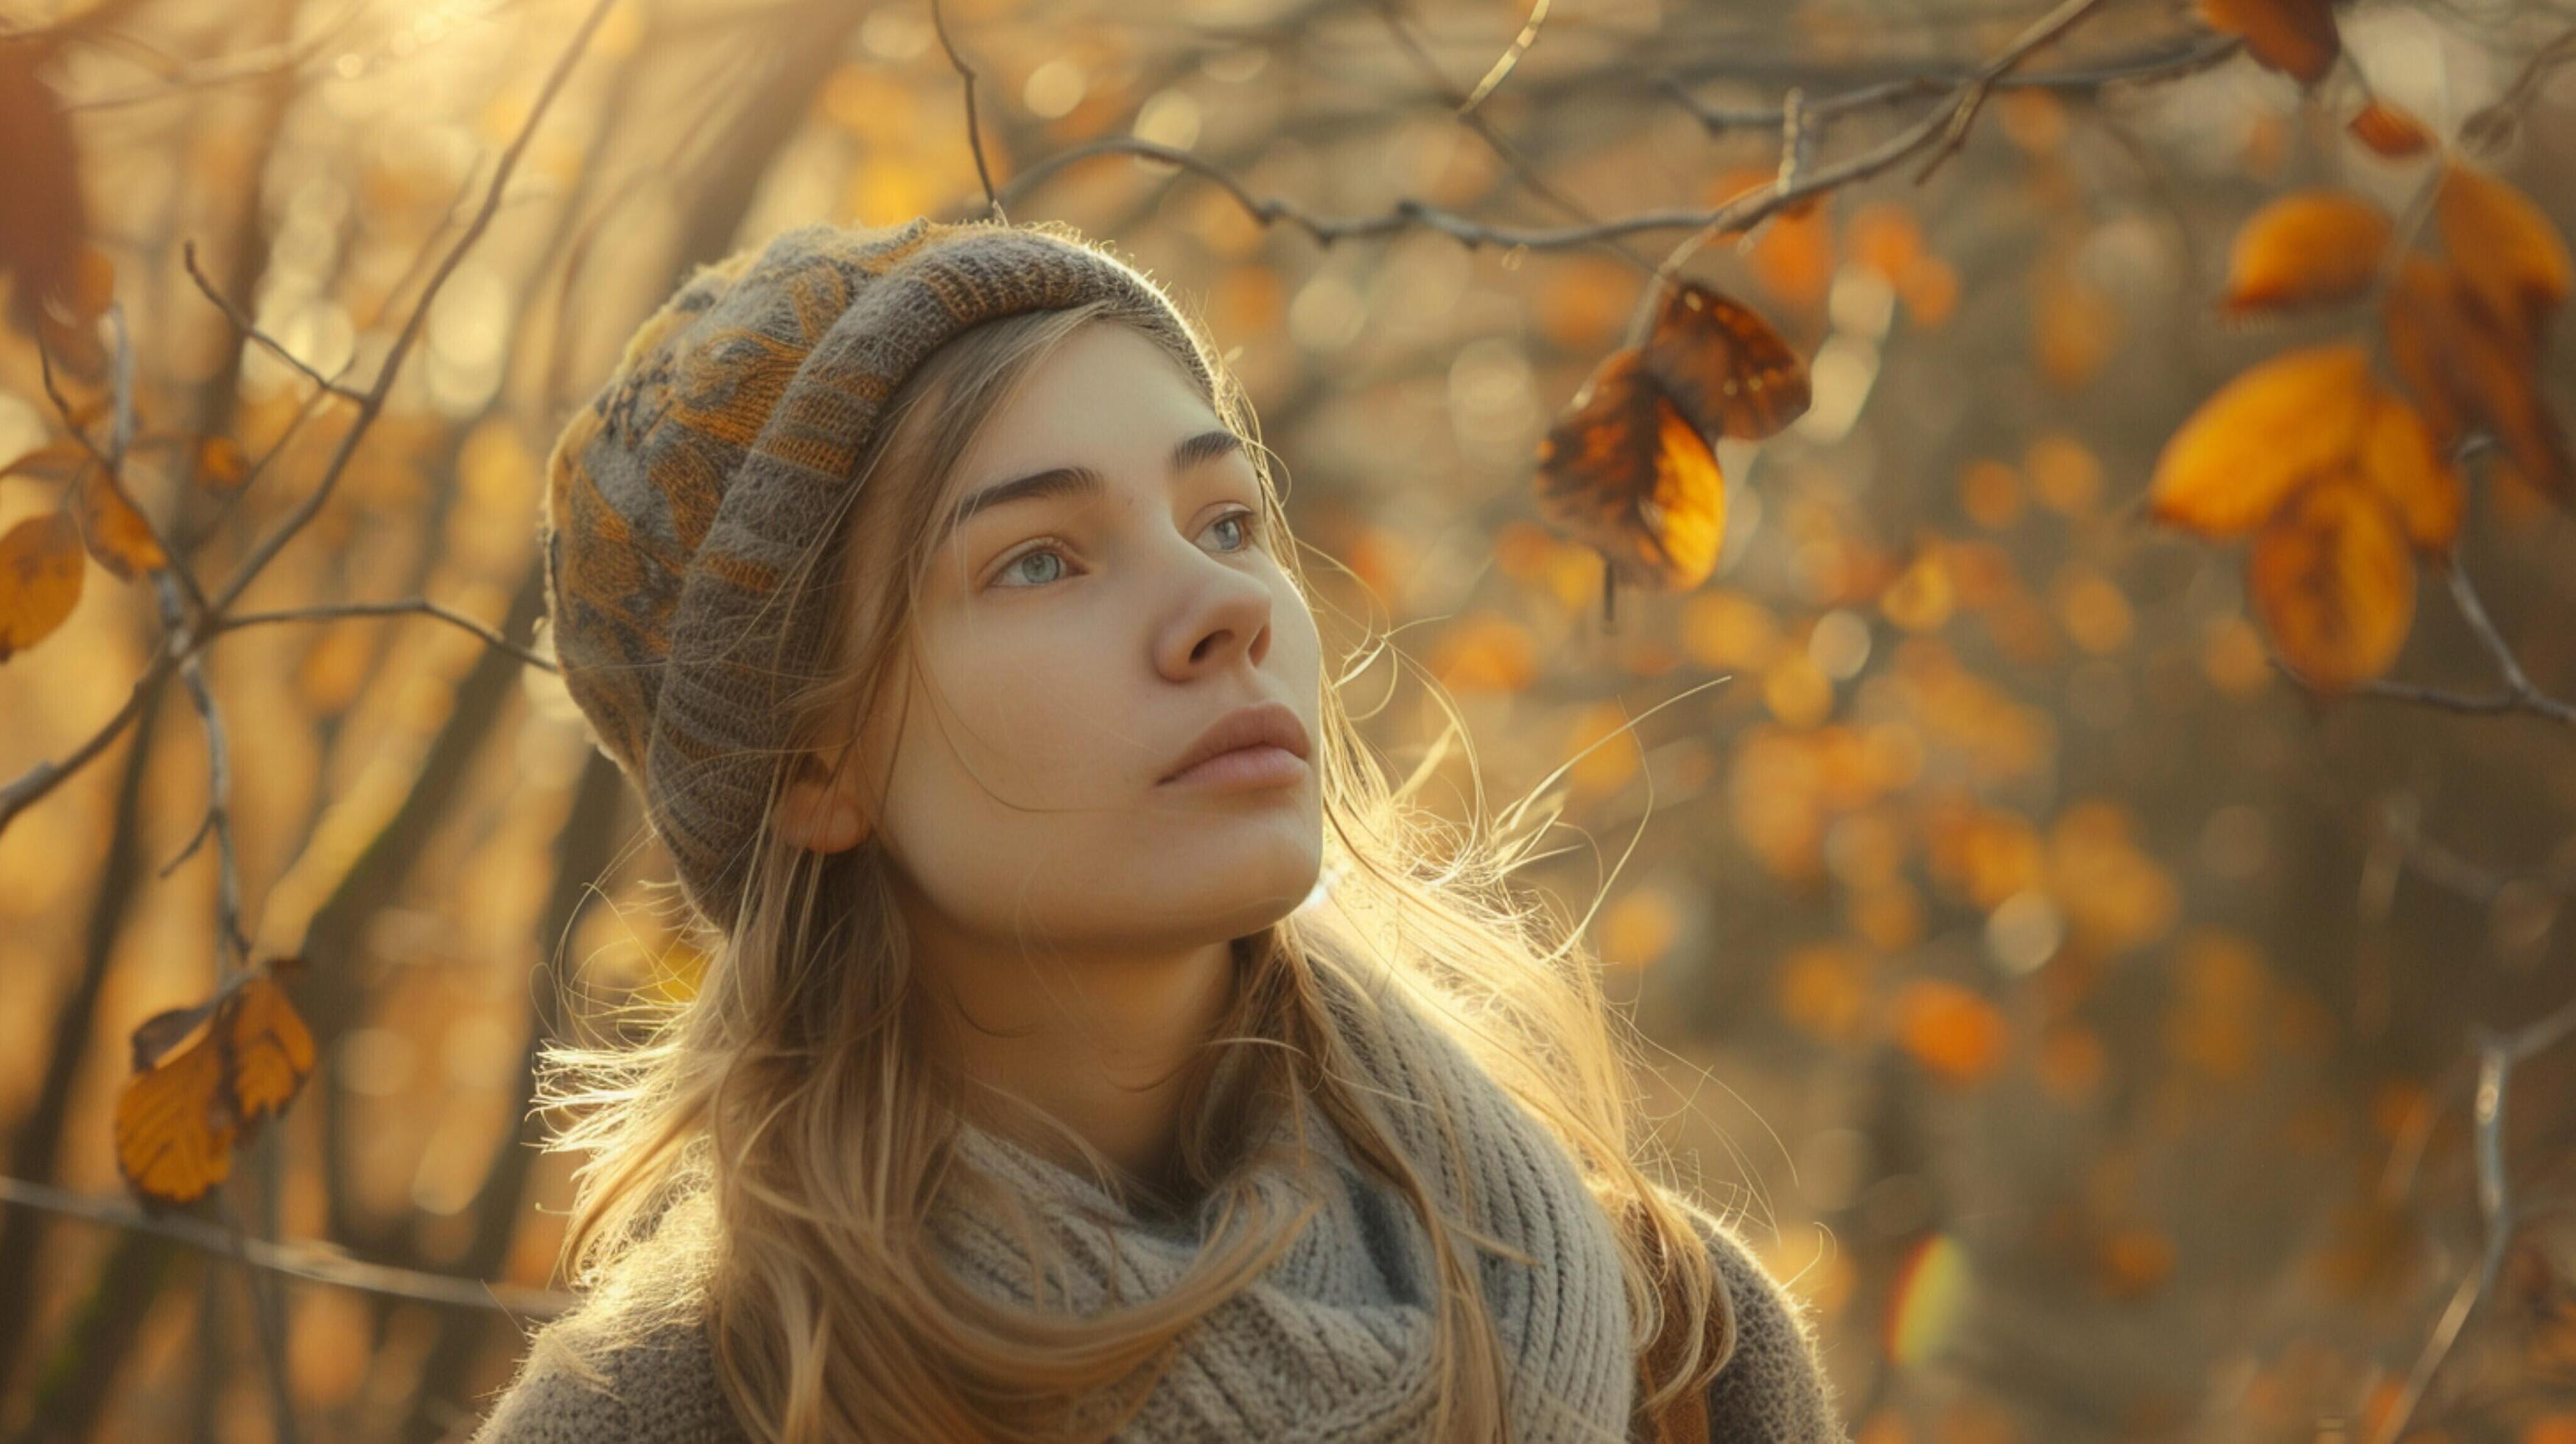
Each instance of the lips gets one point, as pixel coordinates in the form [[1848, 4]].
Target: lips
[[1267, 725]]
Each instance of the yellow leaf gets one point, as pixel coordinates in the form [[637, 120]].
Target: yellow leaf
[[2296, 37], [2332, 580], [2398, 456], [2306, 247], [41, 567], [174, 1127], [220, 464], [272, 1049], [116, 532], [2388, 129], [2505, 250], [2230, 466]]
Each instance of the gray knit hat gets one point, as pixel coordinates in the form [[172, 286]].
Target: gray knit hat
[[678, 499]]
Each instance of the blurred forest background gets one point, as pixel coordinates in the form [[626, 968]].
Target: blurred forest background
[[2097, 867]]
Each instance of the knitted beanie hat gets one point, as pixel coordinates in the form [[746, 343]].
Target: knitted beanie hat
[[724, 442]]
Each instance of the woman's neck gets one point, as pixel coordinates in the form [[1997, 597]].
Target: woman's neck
[[1103, 1043]]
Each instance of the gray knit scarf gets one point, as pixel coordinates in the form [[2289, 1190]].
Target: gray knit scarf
[[1334, 1341]]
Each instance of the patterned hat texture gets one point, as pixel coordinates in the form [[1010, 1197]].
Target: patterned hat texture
[[724, 439]]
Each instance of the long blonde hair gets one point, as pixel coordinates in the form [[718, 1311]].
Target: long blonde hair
[[762, 1154]]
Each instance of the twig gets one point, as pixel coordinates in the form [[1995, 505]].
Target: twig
[[111, 459], [2491, 124], [373, 403], [387, 609], [281, 1395], [319, 1263], [2161, 63], [1945, 125], [243, 324], [2519, 694], [2498, 1054], [1735, 214], [41, 779], [1511, 58], [974, 132]]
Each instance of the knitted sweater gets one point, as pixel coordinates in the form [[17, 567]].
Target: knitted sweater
[[1772, 1390]]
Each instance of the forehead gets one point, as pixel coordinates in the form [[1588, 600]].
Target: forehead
[[1106, 397]]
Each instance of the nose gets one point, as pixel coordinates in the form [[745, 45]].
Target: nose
[[1225, 613]]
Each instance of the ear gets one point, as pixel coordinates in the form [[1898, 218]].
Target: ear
[[821, 813]]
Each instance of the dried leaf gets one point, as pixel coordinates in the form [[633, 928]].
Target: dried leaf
[[2331, 578], [116, 532], [175, 1127], [180, 1116], [2417, 319], [59, 461], [2306, 247], [2468, 366], [2504, 250], [41, 567], [1724, 366], [1623, 470], [220, 463], [154, 1037], [44, 225], [2400, 458], [2388, 129], [2296, 37], [2259, 436], [271, 1050]]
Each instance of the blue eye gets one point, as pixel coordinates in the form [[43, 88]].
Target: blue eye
[[1246, 522], [1018, 567]]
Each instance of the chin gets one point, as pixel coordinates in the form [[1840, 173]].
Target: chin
[[1240, 878]]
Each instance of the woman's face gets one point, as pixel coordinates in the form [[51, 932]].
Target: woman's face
[[1105, 597]]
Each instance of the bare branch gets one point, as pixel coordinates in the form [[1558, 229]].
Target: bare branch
[[1511, 58], [974, 131], [243, 324], [2519, 694], [329, 611], [319, 1263], [374, 402]]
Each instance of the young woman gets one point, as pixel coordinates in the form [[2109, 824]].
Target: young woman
[[1093, 1041]]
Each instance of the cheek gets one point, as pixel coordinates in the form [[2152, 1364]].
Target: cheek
[[1038, 714]]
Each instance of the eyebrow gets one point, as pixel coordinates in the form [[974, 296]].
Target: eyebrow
[[1084, 481]]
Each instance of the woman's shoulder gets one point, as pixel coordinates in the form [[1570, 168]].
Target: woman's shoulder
[[1773, 1387], [660, 1386]]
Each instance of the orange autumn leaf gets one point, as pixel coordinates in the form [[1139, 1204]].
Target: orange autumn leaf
[[60, 461], [1952, 1031], [220, 463], [271, 1050], [2503, 248], [1625, 471], [116, 533], [182, 1112], [2260, 435], [2468, 366], [175, 1126], [2296, 37], [2416, 318], [2306, 247], [2400, 458], [1724, 366], [2331, 578], [41, 566], [2390, 130]]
